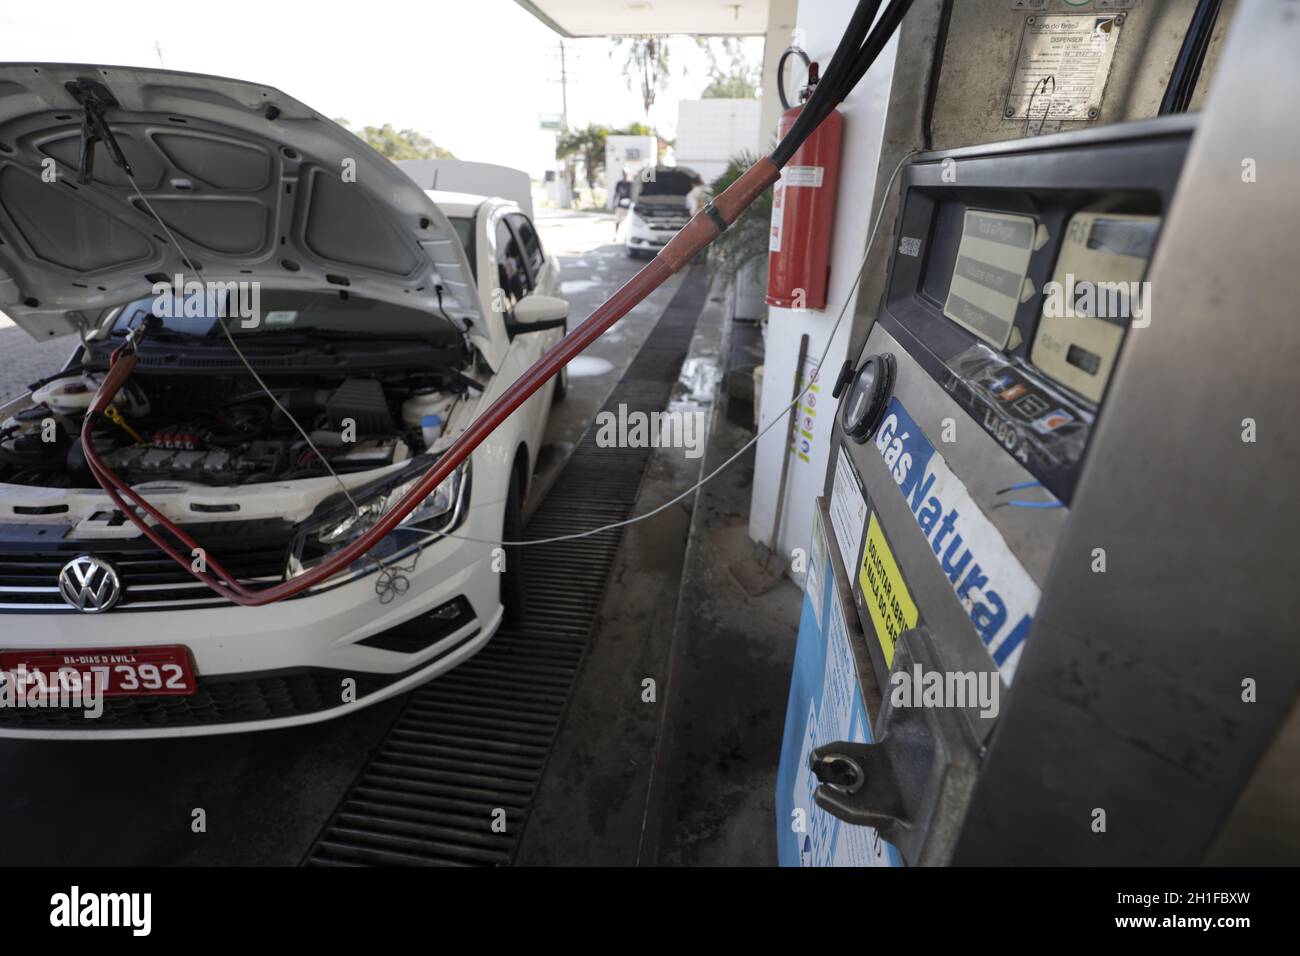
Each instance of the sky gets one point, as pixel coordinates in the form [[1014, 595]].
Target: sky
[[470, 74]]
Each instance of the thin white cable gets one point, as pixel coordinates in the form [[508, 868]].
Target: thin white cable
[[238, 351], [780, 417]]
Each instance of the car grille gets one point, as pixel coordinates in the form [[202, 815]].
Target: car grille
[[667, 223], [29, 579], [663, 216]]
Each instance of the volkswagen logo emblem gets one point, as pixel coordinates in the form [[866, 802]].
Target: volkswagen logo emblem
[[89, 584]]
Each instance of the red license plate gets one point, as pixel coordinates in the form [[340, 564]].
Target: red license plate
[[160, 671]]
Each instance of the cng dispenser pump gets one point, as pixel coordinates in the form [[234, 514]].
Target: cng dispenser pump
[[975, 422]]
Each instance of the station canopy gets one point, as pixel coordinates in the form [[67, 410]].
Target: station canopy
[[582, 18]]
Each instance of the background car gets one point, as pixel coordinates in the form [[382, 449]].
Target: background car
[[658, 208]]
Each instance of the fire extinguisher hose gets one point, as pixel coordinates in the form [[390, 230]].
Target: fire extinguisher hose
[[851, 60]]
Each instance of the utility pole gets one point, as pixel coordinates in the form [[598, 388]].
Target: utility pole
[[558, 71], [564, 123], [564, 90]]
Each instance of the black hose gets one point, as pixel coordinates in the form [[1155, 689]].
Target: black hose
[[936, 69], [1191, 57], [824, 97], [880, 35], [853, 57], [70, 370], [849, 46], [780, 72]]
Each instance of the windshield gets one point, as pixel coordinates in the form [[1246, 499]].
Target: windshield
[[269, 311]]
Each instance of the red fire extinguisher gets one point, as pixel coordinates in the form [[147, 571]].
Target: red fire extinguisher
[[803, 206]]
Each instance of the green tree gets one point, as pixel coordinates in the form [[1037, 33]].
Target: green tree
[[645, 65], [732, 74], [587, 144], [399, 144]]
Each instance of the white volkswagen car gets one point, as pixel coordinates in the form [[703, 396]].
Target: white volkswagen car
[[386, 319]]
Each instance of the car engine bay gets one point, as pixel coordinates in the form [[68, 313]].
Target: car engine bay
[[224, 430]]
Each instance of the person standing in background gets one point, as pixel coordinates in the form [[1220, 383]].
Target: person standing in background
[[622, 200], [698, 197]]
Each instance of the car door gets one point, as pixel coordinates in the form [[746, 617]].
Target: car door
[[521, 269], [544, 269]]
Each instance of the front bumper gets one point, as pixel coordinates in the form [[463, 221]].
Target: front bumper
[[641, 235], [299, 661]]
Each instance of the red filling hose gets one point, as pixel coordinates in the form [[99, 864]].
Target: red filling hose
[[694, 236]]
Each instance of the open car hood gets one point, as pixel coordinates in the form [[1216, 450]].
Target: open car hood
[[254, 185]]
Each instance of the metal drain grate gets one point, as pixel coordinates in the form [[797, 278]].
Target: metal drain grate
[[477, 738]]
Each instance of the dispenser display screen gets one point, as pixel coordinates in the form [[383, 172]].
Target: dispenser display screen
[[988, 279], [1096, 293]]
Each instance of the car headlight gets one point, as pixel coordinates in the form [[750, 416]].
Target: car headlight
[[438, 512]]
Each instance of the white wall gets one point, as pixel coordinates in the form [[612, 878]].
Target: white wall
[[822, 23], [710, 132], [781, 16], [627, 152]]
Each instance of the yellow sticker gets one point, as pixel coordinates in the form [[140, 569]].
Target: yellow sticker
[[888, 601]]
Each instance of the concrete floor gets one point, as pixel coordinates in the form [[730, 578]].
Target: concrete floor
[[598, 791], [731, 659], [24, 360], [593, 266], [265, 795], [688, 778]]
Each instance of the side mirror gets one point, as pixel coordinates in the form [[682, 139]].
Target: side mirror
[[536, 313]]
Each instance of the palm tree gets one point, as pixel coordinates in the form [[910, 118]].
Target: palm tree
[[646, 64], [732, 74], [585, 144]]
